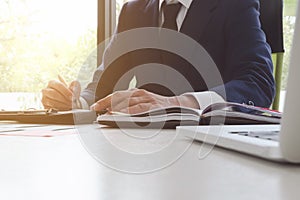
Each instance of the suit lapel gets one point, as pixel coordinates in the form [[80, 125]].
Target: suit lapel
[[200, 12]]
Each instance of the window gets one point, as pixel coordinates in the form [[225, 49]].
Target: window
[[119, 4], [38, 41], [289, 18]]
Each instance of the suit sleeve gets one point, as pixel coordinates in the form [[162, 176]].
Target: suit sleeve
[[100, 85], [248, 58]]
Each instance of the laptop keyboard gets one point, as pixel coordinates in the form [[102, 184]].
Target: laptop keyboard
[[267, 135]]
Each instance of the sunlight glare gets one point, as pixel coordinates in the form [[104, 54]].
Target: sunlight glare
[[64, 18]]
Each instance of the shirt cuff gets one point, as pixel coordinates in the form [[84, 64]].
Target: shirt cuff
[[205, 99], [84, 104]]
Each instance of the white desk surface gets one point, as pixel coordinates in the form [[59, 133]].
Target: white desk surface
[[60, 168]]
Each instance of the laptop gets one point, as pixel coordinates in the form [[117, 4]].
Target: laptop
[[274, 142]]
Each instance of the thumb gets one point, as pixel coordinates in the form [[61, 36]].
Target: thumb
[[75, 87]]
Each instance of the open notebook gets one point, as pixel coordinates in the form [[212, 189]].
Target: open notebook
[[170, 117]]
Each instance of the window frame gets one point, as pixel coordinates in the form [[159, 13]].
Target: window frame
[[106, 23]]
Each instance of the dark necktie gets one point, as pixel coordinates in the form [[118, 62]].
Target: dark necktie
[[170, 12]]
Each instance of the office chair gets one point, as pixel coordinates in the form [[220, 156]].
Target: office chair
[[271, 16]]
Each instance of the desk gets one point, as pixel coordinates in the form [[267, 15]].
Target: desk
[[60, 168]]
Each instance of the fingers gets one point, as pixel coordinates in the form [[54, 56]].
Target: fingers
[[57, 96], [138, 108], [52, 99], [75, 87], [113, 102], [102, 104], [129, 101], [139, 101], [61, 89]]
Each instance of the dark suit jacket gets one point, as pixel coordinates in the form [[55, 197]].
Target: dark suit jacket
[[230, 32]]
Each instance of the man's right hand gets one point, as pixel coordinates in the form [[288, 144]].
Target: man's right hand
[[59, 96]]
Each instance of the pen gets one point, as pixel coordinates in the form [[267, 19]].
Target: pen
[[75, 100], [61, 79]]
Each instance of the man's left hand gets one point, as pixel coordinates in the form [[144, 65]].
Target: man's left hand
[[139, 100]]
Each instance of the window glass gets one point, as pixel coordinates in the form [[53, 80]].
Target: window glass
[[41, 39], [289, 13], [119, 4]]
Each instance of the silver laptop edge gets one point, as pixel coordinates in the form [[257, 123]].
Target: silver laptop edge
[[290, 130]]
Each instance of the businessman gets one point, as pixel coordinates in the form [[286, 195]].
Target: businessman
[[229, 30]]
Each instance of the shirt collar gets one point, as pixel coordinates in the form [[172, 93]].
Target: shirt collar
[[185, 3]]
